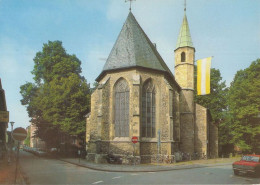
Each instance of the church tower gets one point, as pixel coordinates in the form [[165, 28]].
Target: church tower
[[184, 75]]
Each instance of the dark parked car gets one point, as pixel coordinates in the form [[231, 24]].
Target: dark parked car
[[249, 164]]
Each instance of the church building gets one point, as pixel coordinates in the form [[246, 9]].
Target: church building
[[137, 95]]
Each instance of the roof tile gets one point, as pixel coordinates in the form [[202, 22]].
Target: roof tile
[[133, 48]]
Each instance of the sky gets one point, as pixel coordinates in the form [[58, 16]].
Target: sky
[[229, 30]]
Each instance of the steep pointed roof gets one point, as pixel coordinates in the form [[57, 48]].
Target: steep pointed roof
[[184, 39], [134, 49]]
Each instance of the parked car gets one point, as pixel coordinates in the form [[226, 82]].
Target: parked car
[[249, 164]]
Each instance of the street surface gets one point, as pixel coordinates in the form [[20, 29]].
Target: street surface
[[51, 171]]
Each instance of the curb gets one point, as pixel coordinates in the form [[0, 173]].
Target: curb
[[137, 171]]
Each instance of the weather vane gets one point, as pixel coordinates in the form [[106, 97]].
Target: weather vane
[[130, 4], [185, 5]]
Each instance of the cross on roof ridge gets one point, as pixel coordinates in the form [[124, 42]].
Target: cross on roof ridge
[[130, 8]]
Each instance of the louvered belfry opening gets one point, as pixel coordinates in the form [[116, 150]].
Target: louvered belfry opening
[[121, 108], [148, 110]]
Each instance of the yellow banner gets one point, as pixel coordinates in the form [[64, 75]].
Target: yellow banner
[[4, 116], [203, 76]]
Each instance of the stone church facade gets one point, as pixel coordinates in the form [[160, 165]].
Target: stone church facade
[[138, 96]]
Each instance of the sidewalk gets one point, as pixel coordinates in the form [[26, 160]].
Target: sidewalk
[[150, 167], [7, 174]]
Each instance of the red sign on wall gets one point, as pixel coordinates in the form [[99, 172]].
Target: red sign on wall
[[134, 139]]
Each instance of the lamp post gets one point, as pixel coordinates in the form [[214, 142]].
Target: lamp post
[[12, 141], [12, 125]]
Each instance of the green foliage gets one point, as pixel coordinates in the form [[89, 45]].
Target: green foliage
[[95, 86], [237, 109], [216, 102], [53, 61], [65, 102], [60, 96], [244, 105], [27, 140]]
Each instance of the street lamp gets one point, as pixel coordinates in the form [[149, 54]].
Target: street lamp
[[12, 125], [12, 141]]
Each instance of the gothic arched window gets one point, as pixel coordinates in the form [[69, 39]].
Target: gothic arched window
[[121, 108], [148, 110], [183, 57]]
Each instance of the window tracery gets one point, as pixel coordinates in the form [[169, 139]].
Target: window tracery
[[121, 108], [148, 110]]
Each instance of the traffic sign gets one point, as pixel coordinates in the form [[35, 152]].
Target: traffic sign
[[19, 134], [134, 139]]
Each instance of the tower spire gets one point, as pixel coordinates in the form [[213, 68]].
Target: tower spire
[[184, 38]]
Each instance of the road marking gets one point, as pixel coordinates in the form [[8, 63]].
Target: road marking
[[150, 172], [97, 182], [117, 177], [134, 174], [244, 178]]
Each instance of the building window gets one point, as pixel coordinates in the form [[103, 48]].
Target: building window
[[148, 110], [183, 57], [121, 109]]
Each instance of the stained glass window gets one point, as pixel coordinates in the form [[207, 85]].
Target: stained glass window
[[148, 110], [121, 108]]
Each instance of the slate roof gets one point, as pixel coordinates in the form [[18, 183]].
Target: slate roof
[[134, 49], [184, 38]]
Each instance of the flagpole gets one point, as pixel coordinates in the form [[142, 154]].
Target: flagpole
[[206, 57]]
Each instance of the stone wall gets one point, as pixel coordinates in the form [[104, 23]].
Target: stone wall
[[100, 135], [201, 130], [187, 121], [184, 71], [184, 75], [213, 141], [187, 133], [206, 133]]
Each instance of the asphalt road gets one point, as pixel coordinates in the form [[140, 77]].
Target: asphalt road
[[51, 171]]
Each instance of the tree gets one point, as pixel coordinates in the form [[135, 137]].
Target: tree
[[60, 96], [216, 102], [95, 86], [244, 105], [27, 140]]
